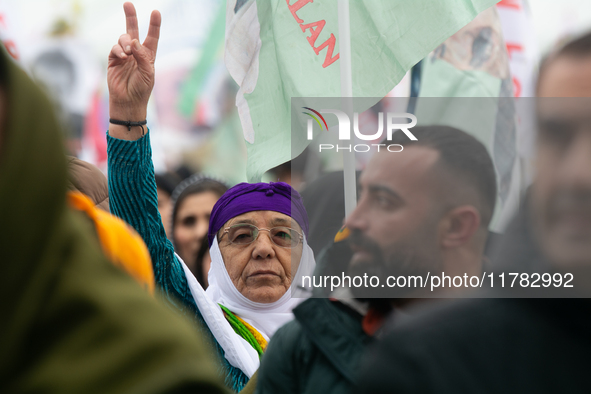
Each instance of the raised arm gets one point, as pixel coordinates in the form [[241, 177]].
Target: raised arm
[[132, 188]]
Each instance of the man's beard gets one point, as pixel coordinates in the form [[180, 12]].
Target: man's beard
[[404, 259]]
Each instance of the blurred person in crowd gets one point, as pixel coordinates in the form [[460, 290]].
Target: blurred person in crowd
[[325, 203], [183, 172], [256, 231], [54, 70], [88, 192], [293, 172], [71, 321], [165, 184], [425, 209], [87, 179], [518, 340], [192, 201]]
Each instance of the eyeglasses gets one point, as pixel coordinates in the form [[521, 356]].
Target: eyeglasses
[[245, 234]]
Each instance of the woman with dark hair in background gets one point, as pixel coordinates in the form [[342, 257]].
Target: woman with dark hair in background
[[192, 202]]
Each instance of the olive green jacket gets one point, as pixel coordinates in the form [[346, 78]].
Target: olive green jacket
[[71, 321]]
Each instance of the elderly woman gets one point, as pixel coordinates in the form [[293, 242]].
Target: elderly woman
[[257, 232]]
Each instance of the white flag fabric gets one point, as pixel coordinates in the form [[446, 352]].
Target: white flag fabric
[[279, 49]]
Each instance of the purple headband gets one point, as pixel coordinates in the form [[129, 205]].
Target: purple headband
[[247, 197]]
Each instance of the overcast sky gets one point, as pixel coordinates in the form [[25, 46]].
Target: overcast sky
[[102, 21]]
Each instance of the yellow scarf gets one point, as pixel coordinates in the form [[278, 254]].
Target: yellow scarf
[[119, 241]]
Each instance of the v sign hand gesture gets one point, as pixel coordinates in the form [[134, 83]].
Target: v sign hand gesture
[[130, 74]]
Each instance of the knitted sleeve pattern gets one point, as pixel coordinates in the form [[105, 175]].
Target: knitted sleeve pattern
[[133, 198]]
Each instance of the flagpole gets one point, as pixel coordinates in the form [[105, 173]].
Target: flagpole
[[347, 91]]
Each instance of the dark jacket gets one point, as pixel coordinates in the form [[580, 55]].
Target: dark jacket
[[486, 346], [318, 352], [494, 345]]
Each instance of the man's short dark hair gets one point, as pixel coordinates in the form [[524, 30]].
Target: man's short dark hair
[[577, 48], [463, 157]]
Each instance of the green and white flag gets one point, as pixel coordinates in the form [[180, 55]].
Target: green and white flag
[[277, 49], [470, 72]]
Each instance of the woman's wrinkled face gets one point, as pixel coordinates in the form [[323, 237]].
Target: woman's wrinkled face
[[191, 225], [261, 271]]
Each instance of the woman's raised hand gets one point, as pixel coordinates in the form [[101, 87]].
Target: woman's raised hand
[[130, 73]]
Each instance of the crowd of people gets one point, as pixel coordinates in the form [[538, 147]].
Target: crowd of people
[[146, 283]]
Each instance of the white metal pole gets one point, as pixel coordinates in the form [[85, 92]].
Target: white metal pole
[[347, 91]]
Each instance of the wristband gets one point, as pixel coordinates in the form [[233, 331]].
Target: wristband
[[129, 124]]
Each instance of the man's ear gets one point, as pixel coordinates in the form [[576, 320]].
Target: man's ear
[[459, 226]]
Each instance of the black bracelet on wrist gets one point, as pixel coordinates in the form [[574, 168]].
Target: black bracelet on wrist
[[129, 124]]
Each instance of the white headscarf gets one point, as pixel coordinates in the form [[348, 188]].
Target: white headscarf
[[268, 317], [265, 318]]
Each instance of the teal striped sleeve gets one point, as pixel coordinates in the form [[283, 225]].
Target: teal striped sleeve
[[133, 198]]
